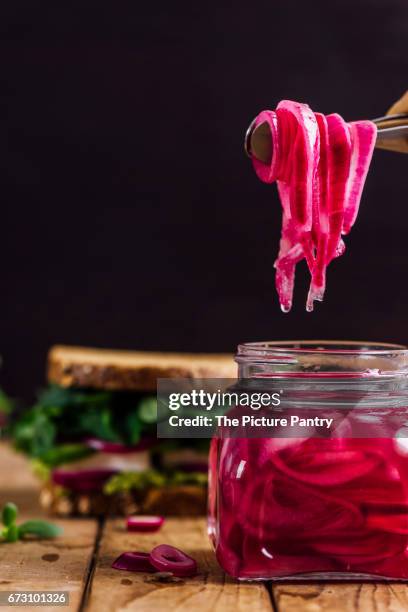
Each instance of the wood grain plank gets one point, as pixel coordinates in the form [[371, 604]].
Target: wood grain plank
[[57, 565], [35, 566], [211, 590], [17, 483], [54, 565], [345, 597]]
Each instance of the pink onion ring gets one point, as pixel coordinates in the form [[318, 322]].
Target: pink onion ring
[[166, 558], [144, 523], [133, 562]]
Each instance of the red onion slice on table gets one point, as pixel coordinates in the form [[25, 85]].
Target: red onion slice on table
[[104, 446], [144, 523], [134, 562], [82, 480], [166, 558]]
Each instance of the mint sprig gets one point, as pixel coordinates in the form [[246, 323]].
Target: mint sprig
[[12, 532]]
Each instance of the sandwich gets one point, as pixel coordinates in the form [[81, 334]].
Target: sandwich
[[91, 436]]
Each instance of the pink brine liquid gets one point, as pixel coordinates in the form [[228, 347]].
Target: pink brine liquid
[[288, 507]]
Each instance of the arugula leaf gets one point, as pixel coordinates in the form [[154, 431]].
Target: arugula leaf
[[34, 433], [65, 453], [62, 397], [133, 427], [63, 415], [98, 422]]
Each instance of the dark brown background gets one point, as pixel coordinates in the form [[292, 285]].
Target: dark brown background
[[131, 216]]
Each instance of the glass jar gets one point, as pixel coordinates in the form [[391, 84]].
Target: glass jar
[[310, 505]]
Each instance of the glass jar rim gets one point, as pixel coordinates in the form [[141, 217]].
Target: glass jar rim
[[323, 358], [270, 348]]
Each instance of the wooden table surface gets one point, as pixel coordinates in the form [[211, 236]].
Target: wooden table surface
[[80, 562]]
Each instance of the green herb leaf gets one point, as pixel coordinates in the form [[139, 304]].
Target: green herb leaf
[[98, 422], [11, 533], [147, 410], [6, 404], [40, 469], [65, 453], [70, 414], [41, 529], [188, 478], [9, 514], [133, 426], [126, 481], [61, 397], [34, 433]]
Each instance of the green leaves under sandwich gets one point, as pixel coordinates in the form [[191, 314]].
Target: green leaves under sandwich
[[53, 430]]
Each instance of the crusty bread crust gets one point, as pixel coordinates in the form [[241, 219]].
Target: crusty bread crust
[[76, 366]]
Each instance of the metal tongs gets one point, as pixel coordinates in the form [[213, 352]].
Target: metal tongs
[[392, 134]]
